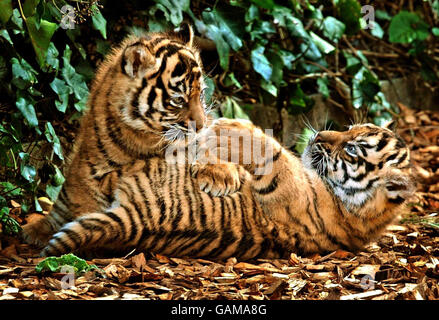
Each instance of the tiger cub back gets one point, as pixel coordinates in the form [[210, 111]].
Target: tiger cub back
[[144, 90]]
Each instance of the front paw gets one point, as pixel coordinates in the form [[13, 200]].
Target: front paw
[[218, 179]]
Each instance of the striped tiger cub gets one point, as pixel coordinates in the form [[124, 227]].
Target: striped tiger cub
[[148, 89], [345, 190]]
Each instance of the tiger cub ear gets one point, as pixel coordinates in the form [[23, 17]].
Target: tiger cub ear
[[391, 125], [186, 34], [136, 60]]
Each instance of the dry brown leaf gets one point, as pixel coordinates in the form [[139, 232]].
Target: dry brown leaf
[[139, 261], [162, 259]]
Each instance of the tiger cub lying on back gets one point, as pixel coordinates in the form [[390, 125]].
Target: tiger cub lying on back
[[346, 189]]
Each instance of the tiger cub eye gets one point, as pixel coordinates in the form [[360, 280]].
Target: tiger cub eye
[[178, 101], [351, 150]]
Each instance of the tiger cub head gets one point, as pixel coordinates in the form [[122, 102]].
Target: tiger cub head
[[157, 82], [364, 164]]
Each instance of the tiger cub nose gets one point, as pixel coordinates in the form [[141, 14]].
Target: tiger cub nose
[[331, 137], [195, 123], [317, 138]]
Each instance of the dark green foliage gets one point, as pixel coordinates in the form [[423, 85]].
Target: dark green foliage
[[39, 86]]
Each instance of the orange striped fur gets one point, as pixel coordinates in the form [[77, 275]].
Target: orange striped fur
[[345, 190]]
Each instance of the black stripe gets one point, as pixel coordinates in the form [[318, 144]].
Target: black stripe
[[135, 99], [118, 220], [391, 157], [397, 200], [383, 142], [272, 186], [402, 158], [74, 236], [102, 150]]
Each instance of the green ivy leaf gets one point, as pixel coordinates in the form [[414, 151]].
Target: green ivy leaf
[[4, 34], [10, 226], [81, 105], [266, 4], [53, 139], [230, 80], [53, 191], [217, 28], [323, 86], [63, 91], [58, 178], [10, 189], [349, 12], [5, 10], [333, 29], [365, 86], [27, 171], [52, 57], [17, 21], [252, 13], [287, 58], [23, 75], [260, 63], [29, 7], [28, 111], [376, 30], [99, 22], [72, 78], [382, 15], [173, 9], [324, 46], [269, 87], [40, 37], [210, 89], [298, 100], [354, 64], [232, 110], [407, 27]]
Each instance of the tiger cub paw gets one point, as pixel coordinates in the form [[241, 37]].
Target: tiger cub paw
[[218, 179]]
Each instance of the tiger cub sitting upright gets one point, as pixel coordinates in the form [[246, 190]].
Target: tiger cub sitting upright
[[148, 87], [345, 190]]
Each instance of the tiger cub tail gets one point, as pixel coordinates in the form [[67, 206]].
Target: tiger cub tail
[[93, 230]]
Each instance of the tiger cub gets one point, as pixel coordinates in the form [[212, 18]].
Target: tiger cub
[[345, 190], [147, 89]]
